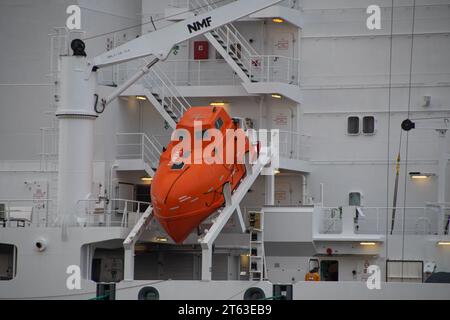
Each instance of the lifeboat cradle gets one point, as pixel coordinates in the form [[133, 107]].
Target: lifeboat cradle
[[232, 205]]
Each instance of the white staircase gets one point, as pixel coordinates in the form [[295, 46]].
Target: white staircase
[[137, 151], [161, 92], [230, 43], [257, 259]]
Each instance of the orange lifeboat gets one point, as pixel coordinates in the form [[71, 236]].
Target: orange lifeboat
[[185, 193]]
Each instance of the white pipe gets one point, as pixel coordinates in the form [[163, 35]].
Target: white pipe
[[443, 166]]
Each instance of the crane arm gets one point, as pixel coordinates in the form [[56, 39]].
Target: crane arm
[[160, 43]]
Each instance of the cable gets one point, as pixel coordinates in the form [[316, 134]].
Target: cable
[[89, 292], [245, 289], [389, 131], [432, 118], [153, 21], [407, 133]]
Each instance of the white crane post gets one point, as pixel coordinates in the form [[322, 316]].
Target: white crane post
[[76, 135]]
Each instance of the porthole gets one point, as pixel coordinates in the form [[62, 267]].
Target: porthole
[[353, 125], [254, 294], [148, 293]]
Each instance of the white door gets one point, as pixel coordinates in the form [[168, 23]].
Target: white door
[[282, 48]]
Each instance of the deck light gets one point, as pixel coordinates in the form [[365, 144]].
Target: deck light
[[277, 20], [217, 104], [276, 96], [141, 98], [367, 243], [147, 179], [277, 171], [161, 239], [443, 243], [420, 175]]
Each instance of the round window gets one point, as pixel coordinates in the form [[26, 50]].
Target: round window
[[254, 294], [148, 293]]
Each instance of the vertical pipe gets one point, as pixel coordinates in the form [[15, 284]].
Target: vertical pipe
[[443, 165]]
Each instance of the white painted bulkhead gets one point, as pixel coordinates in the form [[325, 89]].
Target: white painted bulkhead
[[344, 72]]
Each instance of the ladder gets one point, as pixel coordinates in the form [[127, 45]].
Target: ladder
[[257, 259]]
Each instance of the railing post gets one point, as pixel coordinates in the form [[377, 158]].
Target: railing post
[[142, 147], [198, 72], [228, 40], [288, 70], [125, 213]]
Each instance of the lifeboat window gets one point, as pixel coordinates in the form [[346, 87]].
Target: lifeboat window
[[219, 123], [178, 166]]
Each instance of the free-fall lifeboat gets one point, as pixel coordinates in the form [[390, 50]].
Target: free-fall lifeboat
[[186, 192]]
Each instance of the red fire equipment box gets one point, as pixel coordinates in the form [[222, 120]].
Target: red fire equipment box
[[201, 50]]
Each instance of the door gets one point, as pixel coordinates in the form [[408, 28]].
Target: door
[[125, 191], [329, 270], [143, 194], [282, 69]]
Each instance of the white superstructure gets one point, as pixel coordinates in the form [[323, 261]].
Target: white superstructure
[[336, 91]]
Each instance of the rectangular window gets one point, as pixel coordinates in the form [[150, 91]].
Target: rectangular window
[[219, 124], [353, 125], [8, 262], [354, 199], [404, 271], [369, 125]]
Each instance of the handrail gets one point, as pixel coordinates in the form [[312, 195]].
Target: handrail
[[272, 68], [156, 80], [365, 224], [31, 203], [150, 150]]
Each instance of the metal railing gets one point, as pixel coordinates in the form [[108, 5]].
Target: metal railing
[[210, 72], [49, 146], [26, 213], [138, 146], [294, 145], [41, 213], [232, 39], [273, 68], [410, 220], [264, 68], [122, 213], [158, 83], [184, 4]]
